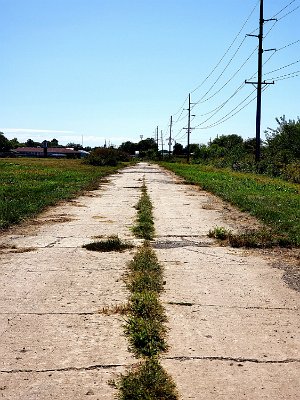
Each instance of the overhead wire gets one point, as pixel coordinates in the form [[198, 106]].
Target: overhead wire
[[217, 109], [224, 119], [181, 109], [227, 51]]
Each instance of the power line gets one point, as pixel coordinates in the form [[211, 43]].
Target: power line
[[290, 12], [229, 111], [224, 119], [229, 80], [286, 76], [285, 66], [228, 49], [284, 8]]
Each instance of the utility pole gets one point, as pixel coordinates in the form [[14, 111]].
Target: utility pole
[[162, 144], [189, 129], [157, 137], [259, 82], [170, 137]]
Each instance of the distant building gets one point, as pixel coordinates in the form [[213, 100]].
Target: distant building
[[52, 152]]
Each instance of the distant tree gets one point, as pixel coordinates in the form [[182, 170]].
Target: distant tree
[[5, 144], [147, 144], [53, 143], [228, 141], [194, 148], [15, 143], [177, 149], [30, 143], [128, 147]]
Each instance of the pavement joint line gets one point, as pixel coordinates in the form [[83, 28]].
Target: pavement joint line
[[185, 304], [66, 369], [232, 359], [50, 313]]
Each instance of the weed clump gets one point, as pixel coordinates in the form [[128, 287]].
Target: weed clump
[[147, 381], [219, 232], [145, 320], [146, 315], [145, 336], [113, 243], [145, 226], [263, 238]]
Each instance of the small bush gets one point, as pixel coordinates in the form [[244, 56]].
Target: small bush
[[106, 156]]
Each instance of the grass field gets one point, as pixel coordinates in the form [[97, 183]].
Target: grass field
[[274, 202], [28, 185]]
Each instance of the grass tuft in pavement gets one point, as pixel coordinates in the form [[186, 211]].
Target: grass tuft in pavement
[[147, 381], [263, 238], [144, 227], [113, 243]]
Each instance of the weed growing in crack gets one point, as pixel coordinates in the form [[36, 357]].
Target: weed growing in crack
[[146, 315], [146, 337], [144, 228], [146, 381], [145, 320], [113, 243]]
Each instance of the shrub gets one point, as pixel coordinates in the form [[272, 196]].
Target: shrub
[[106, 156]]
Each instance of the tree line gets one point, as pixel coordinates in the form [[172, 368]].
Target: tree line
[[280, 151]]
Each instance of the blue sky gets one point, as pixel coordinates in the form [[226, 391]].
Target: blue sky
[[115, 69]]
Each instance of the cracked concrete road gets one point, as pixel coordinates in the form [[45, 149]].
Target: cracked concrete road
[[234, 323]]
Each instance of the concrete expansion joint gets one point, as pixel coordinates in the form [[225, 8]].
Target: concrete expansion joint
[[233, 359], [185, 304], [66, 369], [49, 313]]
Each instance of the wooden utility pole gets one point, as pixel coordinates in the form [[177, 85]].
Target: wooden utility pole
[[170, 137], [188, 131], [157, 137], [259, 82], [162, 144]]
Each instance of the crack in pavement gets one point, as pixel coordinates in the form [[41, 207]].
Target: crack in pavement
[[186, 304], [66, 369], [50, 313], [233, 359]]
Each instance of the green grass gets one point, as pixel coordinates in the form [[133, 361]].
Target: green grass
[[147, 381], [144, 326], [144, 227], [28, 185], [113, 243], [274, 202]]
